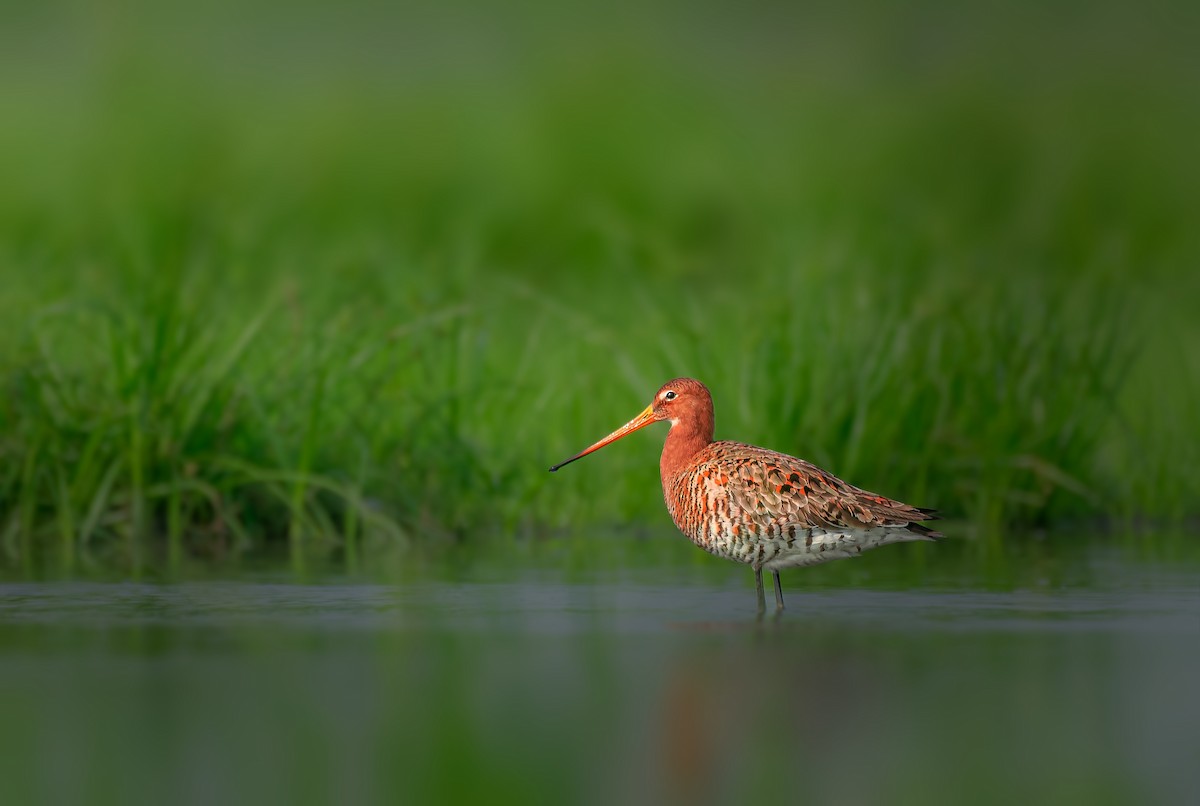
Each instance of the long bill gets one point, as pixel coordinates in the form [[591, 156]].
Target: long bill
[[641, 421]]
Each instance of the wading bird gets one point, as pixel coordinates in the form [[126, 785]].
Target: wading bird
[[758, 507]]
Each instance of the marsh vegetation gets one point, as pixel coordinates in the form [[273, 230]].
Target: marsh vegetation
[[276, 282]]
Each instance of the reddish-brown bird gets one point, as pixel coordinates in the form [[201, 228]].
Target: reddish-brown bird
[[755, 506]]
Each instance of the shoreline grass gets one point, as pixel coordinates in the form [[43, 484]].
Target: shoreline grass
[[366, 311]]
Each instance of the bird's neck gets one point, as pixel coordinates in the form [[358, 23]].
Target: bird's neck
[[685, 439]]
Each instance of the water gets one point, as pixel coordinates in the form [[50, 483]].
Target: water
[[1059, 674]]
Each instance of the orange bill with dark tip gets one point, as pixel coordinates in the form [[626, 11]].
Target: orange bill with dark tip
[[641, 421]]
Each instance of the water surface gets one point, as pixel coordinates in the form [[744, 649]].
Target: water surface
[[1066, 676]]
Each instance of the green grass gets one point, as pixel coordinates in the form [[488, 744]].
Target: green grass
[[359, 286]]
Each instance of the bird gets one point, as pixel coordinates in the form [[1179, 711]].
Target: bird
[[759, 507]]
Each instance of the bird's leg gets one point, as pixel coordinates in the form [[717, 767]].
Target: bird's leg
[[762, 599], [779, 591]]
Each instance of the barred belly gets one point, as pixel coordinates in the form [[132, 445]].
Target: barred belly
[[719, 526]]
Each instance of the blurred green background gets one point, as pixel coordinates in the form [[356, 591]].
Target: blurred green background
[[355, 274]]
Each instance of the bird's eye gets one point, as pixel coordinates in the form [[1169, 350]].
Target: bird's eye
[[670, 395]]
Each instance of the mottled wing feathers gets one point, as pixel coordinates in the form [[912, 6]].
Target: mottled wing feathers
[[774, 488]]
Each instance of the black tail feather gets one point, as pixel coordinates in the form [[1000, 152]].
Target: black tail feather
[[924, 531]]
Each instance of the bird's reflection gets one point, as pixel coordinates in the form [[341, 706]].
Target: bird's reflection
[[734, 712]]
